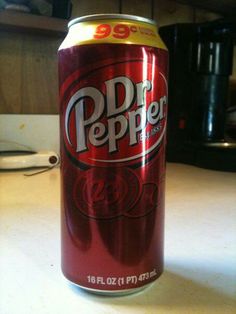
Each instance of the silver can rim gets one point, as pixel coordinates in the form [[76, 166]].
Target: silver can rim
[[114, 293], [111, 16]]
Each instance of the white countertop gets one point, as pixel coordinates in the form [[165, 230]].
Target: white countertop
[[200, 254]]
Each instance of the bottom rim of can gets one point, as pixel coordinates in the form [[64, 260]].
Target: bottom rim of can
[[113, 292]]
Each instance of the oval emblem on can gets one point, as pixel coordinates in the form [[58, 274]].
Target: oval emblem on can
[[114, 116]]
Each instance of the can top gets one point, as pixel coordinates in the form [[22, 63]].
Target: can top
[[111, 16], [112, 29]]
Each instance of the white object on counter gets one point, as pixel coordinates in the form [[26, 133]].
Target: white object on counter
[[200, 254], [39, 132], [21, 161]]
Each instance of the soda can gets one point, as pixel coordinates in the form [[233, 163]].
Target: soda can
[[113, 114]]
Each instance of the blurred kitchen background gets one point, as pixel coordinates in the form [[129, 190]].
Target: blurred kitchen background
[[31, 32]]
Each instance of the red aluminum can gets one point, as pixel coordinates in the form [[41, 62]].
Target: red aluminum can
[[113, 110]]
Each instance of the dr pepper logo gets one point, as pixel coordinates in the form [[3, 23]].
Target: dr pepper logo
[[114, 116]]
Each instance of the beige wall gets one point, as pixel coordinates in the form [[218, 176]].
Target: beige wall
[[28, 64]]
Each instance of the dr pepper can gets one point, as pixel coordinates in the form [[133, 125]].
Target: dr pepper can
[[113, 112]]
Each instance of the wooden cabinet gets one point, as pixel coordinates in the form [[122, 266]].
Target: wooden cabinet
[[224, 7], [25, 22]]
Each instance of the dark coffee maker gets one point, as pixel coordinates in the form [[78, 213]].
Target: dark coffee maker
[[201, 57]]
